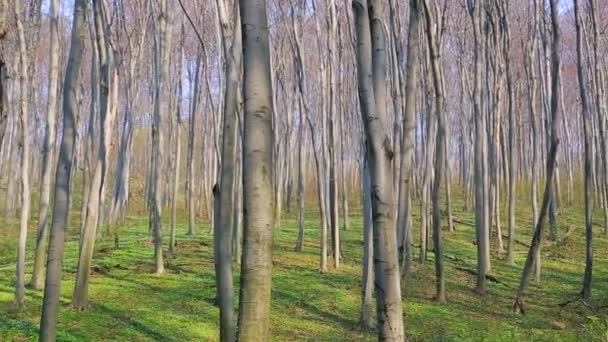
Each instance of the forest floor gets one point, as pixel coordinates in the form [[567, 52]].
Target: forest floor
[[128, 303]]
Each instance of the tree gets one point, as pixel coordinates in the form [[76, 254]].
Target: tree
[[48, 153], [586, 118], [177, 141], [475, 11], [162, 43], [434, 30], [52, 288], [256, 265], [3, 113], [25, 157], [505, 25], [371, 75], [222, 235], [409, 125]]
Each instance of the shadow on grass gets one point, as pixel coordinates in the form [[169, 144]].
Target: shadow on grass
[[134, 324], [289, 299]]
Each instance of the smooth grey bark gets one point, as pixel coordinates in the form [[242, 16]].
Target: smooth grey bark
[[301, 175], [367, 321], [177, 152], [345, 211], [25, 158], [404, 214], [256, 265], [333, 98], [237, 221], [371, 50], [505, 23], [161, 50], [300, 75], [191, 143], [554, 109], [222, 235], [52, 288], [434, 27], [475, 12], [586, 118], [37, 281]]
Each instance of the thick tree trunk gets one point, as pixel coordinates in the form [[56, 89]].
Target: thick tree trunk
[[371, 70], [256, 265]]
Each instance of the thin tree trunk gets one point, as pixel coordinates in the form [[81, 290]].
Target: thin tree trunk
[[518, 305], [434, 27], [25, 158], [191, 143], [52, 288], [475, 11], [37, 281], [586, 291], [366, 320], [177, 141], [409, 124], [222, 235]]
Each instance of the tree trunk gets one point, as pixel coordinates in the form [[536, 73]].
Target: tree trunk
[[409, 124], [222, 235], [191, 143], [37, 280], [25, 158], [256, 266], [367, 321], [518, 305], [161, 49], [433, 33], [177, 141], [586, 291], [511, 147], [475, 11], [52, 288], [371, 69]]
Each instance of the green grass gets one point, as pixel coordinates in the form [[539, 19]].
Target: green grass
[[129, 303]]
